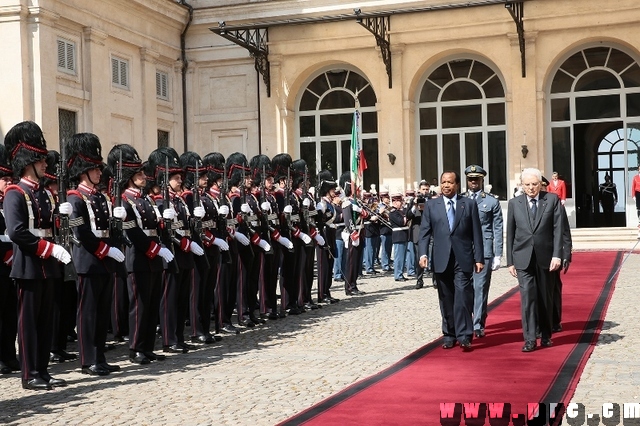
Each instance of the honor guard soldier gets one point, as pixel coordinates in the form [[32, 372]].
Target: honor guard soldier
[[386, 244], [8, 296], [144, 257], [414, 210], [491, 220], [266, 267], [281, 164], [352, 235], [225, 289], [203, 216], [326, 189], [65, 296], [28, 212], [400, 235], [96, 255], [179, 277]]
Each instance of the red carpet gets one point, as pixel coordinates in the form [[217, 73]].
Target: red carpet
[[430, 381]]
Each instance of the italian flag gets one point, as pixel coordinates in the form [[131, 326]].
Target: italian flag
[[358, 162]]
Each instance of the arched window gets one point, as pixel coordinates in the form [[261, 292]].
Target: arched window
[[594, 111], [461, 119], [325, 115]]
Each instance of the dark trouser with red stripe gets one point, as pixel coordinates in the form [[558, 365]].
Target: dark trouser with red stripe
[[257, 278], [65, 302], [325, 272], [206, 277], [309, 264], [120, 307], [144, 301], [174, 304], [354, 264], [225, 289], [8, 319], [94, 301], [243, 269], [287, 278], [300, 273], [268, 300], [35, 323]]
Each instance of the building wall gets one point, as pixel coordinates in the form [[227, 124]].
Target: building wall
[[146, 33]]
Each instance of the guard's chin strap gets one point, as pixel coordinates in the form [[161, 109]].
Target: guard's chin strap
[[35, 173], [95, 184]]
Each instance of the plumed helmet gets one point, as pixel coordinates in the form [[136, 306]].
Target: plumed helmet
[[50, 176], [26, 145], [214, 163], [159, 159], [297, 168], [188, 161], [83, 153], [257, 164], [326, 182], [345, 183], [237, 166], [280, 163], [131, 163], [5, 166]]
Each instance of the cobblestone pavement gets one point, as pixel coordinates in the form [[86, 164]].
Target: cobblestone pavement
[[271, 372]]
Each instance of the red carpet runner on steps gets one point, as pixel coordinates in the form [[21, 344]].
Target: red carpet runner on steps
[[429, 382]]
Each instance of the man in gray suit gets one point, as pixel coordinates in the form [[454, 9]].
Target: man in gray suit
[[534, 252], [453, 223], [491, 220]]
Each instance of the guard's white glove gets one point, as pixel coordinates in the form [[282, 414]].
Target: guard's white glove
[[60, 254], [285, 242], [356, 208], [115, 254], [306, 202], [305, 238], [355, 242], [245, 208], [169, 214], [166, 254], [222, 244], [241, 238], [199, 212], [319, 239], [196, 249], [265, 206], [223, 210], [65, 208], [119, 213], [288, 209], [321, 206], [496, 263], [264, 245], [345, 238], [373, 218]]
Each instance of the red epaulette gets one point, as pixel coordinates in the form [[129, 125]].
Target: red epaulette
[[74, 192], [13, 186], [157, 197], [233, 195]]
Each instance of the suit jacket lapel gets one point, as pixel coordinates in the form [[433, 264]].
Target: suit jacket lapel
[[459, 210], [526, 210]]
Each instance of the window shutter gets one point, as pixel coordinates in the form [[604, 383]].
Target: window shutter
[[114, 71]]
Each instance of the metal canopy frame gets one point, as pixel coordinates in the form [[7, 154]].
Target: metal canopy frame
[[255, 36], [516, 10]]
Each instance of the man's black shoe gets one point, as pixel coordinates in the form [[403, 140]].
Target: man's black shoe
[[479, 332], [36, 384], [529, 346], [448, 345], [154, 356], [546, 343], [109, 367], [138, 358], [203, 339], [557, 328], [419, 284], [402, 279], [62, 356], [230, 328], [273, 316], [339, 280], [173, 349], [94, 370], [246, 323], [254, 319], [294, 311], [4, 369], [310, 306], [466, 346], [56, 383]]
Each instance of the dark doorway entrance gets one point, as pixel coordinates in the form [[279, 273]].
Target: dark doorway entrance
[[599, 152]]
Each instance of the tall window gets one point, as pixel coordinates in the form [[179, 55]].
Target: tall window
[[162, 85], [594, 111], [66, 124], [120, 73], [461, 119], [163, 138], [66, 56], [325, 116]]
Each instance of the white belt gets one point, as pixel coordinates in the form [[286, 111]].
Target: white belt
[[401, 228], [208, 224], [331, 225], [150, 232], [183, 232], [5, 239], [101, 233], [42, 233], [359, 227]]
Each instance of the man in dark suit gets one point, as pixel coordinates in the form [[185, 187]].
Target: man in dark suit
[[534, 251], [454, 224]]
